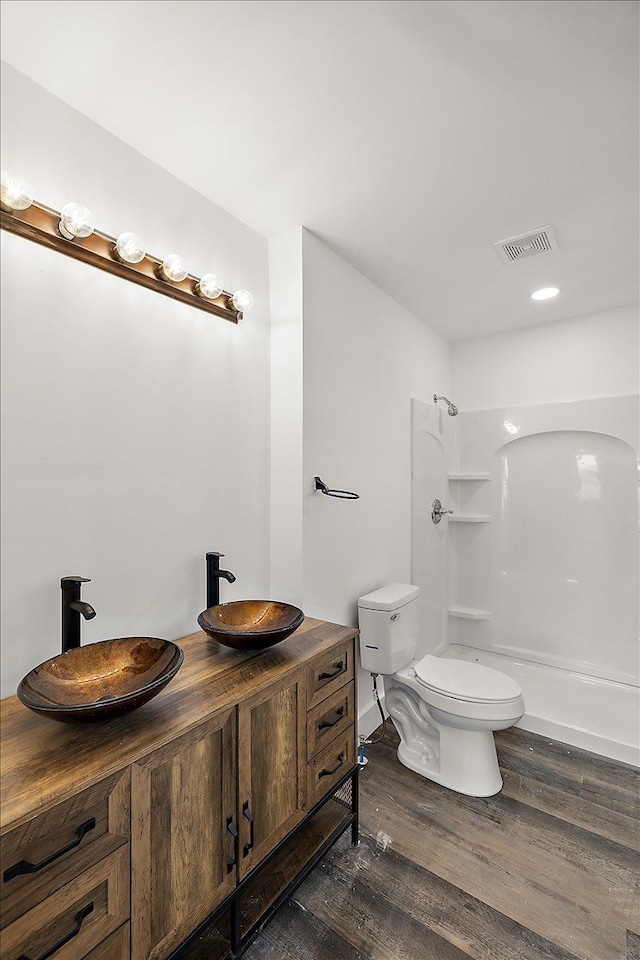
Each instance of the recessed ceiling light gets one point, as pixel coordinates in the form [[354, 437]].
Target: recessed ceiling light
[[545, 293]]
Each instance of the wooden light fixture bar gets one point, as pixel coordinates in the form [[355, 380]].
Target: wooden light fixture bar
[[40, 224]]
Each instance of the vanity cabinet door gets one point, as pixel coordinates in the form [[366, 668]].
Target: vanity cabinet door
[[183, 797], [271, 767]]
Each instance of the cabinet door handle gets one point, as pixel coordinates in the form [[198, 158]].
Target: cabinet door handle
[[331, 723], [246, 813], [328, 773], [26, 867], [231, 828], [80, 915], [329, 676]]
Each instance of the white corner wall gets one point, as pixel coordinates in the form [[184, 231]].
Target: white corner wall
[[577, 359], [135, 428], [285, 277], [365, 357]]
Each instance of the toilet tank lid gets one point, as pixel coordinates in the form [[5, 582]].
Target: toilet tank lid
[[390, 597]]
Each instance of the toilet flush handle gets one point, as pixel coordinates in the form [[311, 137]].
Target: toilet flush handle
[[395, 616]]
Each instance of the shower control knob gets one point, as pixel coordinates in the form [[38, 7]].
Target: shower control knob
[[438, 511]]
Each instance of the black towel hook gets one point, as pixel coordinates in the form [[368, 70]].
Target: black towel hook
[[340, 494]]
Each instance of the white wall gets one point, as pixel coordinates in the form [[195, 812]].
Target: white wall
[[285, 278], [135, 428], [365, 357], [577, 359]]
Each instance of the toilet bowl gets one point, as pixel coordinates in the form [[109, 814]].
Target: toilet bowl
[[445, 710]]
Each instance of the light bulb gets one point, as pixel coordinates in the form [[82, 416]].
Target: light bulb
[[545, 293], [242, 301], [173, 268], [130, 248], [75, 221], [16, 192], [209, 287]]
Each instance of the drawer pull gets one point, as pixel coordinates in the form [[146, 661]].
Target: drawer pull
[[328, 773], [329, 676], [231, 828], [25, 867], [246, 813], [331, 723], [80, 915]]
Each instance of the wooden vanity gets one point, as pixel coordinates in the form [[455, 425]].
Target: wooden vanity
[[195, 815]]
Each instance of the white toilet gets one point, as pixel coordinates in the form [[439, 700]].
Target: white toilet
[[445, 710]]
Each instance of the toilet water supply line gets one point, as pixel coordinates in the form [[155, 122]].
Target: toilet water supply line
[[362, 760]]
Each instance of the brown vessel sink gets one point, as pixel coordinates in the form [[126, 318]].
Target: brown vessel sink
[[250, 624], [101, 680]]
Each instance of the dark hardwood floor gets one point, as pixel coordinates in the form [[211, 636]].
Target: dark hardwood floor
[[546, 870]]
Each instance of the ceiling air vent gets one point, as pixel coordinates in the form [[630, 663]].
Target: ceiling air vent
[[532, 244]]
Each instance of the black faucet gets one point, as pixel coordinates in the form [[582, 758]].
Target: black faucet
[[214, 573], [72, 608]]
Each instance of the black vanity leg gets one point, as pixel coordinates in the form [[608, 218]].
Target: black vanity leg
[[234, 924]]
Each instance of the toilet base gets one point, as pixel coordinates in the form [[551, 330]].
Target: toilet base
[[463, 760], [478, 778]]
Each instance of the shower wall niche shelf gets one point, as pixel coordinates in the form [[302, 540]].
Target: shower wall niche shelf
[[469, 476], [479, 518], [469, 613]]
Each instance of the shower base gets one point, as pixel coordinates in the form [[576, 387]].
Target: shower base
[[597, 715]]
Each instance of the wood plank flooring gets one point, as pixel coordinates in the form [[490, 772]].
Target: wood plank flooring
[[546, 870]]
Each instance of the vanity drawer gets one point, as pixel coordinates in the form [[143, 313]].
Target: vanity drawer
[[330, 718], [43, 854], [328, 766], [328, 673], [77, 918], [115, 947]]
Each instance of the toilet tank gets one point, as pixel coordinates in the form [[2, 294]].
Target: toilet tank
[[388, 621]]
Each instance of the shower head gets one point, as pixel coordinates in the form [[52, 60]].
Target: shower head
[[452, 410]]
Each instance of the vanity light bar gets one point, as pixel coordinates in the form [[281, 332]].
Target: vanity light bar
[[43, 225]]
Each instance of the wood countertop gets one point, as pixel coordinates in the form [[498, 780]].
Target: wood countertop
[[45, 761]]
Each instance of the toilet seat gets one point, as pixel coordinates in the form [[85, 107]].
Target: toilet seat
[[461, 680]]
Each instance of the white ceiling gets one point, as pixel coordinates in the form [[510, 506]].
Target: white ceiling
[[408, 135]]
